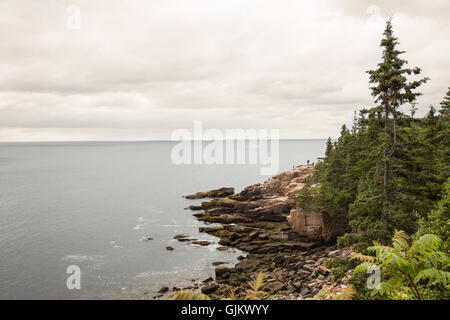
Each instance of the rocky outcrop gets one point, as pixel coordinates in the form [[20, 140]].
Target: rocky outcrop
[[316, 226], [268, 201], [285, 243], [219, 193], [271, 201]]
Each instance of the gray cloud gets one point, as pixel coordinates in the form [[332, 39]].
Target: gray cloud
[[140, 69]]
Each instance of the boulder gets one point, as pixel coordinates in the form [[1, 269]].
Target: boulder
[[180, 236], [209, 288], [163, 290], [201, 242], [316, 226], [221, 272]]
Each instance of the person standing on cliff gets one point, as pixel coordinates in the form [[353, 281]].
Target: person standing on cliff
[[307, 162]]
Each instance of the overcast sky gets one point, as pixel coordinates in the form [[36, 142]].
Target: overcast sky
[[139, 69]]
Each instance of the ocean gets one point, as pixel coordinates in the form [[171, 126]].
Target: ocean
[[90, 204]]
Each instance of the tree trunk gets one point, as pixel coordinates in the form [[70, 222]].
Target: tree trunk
[[384, 221]]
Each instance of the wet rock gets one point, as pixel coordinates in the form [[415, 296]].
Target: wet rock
[[163, 290], [195, 208], [169, 248], [221, 272], [208, 280], [218, 211], [210, 288], [202, 242], [248, 265], [218, 263], [225, 242], [211, 229], [180, 236], [227, 219]]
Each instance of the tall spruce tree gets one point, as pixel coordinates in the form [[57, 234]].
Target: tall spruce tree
[[391, 90], [445, 106]]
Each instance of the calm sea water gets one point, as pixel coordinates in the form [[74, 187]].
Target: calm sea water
[[90, 204]]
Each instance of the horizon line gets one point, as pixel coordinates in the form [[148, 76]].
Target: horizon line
[[158, 140]]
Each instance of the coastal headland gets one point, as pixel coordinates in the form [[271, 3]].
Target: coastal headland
[[288, 245]]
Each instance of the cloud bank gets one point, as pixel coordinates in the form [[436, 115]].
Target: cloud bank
[[139, 69]]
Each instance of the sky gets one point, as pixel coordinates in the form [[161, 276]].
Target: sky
[[140, 69]]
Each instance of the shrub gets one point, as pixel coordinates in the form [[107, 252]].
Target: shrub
[[339, 266], [419, 271]]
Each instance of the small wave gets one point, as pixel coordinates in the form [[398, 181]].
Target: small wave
[[148, 274], [82, 258], [139, 226]]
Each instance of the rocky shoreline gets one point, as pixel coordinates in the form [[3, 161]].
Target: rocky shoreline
[[262, 221]]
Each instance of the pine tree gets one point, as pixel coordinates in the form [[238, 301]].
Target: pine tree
[[391, 90], [445, 105], [328, 150]]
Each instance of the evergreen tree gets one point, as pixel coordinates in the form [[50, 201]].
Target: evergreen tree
[[445, 105], [391, 90], [328, 150]]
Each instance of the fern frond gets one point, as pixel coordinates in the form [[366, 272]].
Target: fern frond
[[362, 257], [188, 295], [382, 252], [258, 281], [434, 276], [400, 239], [361, 268], [427, 242], [256, 284], [433, 259]]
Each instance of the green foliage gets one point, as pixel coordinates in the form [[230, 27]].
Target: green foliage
[[438, 220], [188, 295], [358, 241], [419, 271], [326, 294], [306, 197], [359, 282], [339, 266], [388, 171]]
